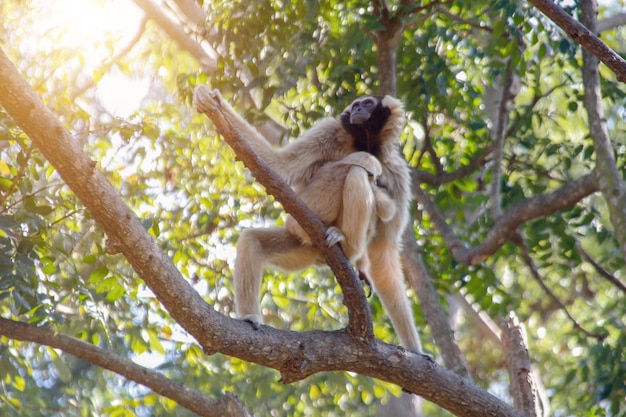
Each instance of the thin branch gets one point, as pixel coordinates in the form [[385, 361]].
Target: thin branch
[[498, 150], [189, 398], [521, 243], [423, 177], [487, 326], [175, 32], [471, 23], [603, 272], [583, 36], [506, 225], [611, 22], [106, 66]]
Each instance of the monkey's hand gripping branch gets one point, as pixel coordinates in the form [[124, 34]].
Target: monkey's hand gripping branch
[[360, 319]]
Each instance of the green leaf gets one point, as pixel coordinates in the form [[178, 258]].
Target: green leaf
[[97, 275]]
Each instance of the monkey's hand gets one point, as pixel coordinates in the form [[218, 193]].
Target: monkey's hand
[[334, 236], [207, 101]]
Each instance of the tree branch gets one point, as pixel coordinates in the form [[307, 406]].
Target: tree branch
[[521, 382], [583, 36], [189, 398], [424, 177], [500, 137], [505, 226], [611, 182], [612, 22], [295, 355], [603, 272]]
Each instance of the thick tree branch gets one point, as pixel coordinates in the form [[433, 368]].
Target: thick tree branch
[[296, 355], [611, 182], [583, 36], [505, 226], [189, 398]]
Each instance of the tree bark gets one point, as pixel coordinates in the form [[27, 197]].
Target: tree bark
[[521, 383]]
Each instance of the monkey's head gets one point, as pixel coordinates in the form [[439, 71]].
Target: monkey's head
[[373, 121]]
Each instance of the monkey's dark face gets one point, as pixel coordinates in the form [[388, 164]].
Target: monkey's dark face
[[364, 119], [361, 110]]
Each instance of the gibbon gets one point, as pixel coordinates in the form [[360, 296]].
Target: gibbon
[[347, 197], [369, 124]]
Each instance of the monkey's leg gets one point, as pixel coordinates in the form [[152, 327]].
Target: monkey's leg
[[257, 248], [357, 213], [388, 280]]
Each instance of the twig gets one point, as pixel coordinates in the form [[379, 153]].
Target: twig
[[521, 243], [603, 272], [500, 137]]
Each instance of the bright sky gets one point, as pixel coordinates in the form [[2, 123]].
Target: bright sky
[[83, 24]]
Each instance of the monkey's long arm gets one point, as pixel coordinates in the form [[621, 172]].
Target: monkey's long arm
[[296, 162]]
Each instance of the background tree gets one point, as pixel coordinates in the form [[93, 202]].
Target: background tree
[[516, 140]]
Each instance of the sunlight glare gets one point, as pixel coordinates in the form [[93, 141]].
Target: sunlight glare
[[88, 27]]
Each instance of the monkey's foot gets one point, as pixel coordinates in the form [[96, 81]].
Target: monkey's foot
[[205, 100], [334, 236], [363, 277], [255, 320]]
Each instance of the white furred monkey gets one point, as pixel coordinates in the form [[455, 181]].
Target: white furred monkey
[[369, 124]]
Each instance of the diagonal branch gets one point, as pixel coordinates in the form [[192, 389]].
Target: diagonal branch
[[603, 272], [583, 36], [189, 398], [505, 226]]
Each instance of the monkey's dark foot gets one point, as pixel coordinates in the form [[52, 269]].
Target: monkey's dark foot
[[254, 324], [366, 281], [255, 320]]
